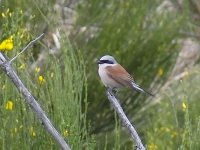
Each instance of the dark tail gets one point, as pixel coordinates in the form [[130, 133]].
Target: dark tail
[[137, 87]]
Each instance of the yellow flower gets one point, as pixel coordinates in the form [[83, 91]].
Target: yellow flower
[[174, 134], [37, 69], [22, 66], [184, 106], [160, 71], [66, 133], [152, 146], [41, 80], [33, 134], [9, 105], [6, 13], [52, 74], [165, 129], [15, 130], [32, 131], [7, 44], [3, 15]]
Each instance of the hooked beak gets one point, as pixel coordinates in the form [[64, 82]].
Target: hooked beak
[[100, 62]]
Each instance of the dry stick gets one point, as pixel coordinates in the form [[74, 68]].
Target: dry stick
[[26, 47], [6, 67], [113, 100]]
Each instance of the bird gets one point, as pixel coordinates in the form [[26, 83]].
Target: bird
[[114, 76]]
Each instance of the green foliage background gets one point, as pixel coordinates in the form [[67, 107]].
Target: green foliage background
[[140, 36]]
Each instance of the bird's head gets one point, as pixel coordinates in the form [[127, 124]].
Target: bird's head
[[107, 60]]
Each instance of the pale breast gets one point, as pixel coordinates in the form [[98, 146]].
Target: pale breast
[[107, 81]]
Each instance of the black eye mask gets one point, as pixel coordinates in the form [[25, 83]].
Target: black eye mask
[[105, 62]]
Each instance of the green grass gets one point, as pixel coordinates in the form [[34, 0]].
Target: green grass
[[62, 95], [173, 121], [140, 39]]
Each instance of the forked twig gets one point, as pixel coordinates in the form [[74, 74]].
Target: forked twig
[[26, 47]]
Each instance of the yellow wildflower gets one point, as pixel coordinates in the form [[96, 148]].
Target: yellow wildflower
[[33, 134], [174, 134], [32, 131], [41, 79], [37, 69], [160, 71], [184, 106], [165, 129], [6, 13], [66, 133], [22, 66], [52, 74], [15, 130], [9, 105], [152, 146], [3, 15], [7, 44]]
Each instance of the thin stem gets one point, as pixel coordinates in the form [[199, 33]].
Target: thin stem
[[26, 47]]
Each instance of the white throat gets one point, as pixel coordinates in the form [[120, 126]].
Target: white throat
[[105, 78], [105, 65]]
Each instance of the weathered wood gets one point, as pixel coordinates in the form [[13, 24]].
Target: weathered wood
[[113, 100]]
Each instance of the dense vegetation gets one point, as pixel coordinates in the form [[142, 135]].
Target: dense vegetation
[[144, 36]]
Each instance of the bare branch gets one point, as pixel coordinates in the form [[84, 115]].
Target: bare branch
[[113, 100], [26, 47]]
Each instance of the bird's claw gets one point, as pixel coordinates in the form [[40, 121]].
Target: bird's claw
[[112, 91]]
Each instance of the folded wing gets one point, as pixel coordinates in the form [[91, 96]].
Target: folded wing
[[121, 76]]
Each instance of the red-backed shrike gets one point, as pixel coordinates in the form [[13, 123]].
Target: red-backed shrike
[[114, 76]]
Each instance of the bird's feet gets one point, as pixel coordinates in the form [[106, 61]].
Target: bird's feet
[[112, 91]]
